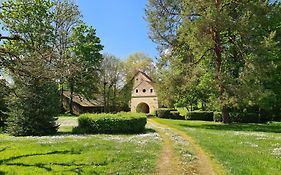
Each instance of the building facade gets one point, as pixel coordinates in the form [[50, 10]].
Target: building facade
[[144, 98]]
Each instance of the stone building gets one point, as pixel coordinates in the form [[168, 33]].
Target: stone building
[[144, 98]]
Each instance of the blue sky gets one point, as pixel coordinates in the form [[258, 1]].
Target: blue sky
[[120, 25]]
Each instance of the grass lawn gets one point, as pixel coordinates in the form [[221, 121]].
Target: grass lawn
[[79, 154], [242, 149]]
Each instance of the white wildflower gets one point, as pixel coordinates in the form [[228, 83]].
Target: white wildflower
[[276, 151], [249, 144]]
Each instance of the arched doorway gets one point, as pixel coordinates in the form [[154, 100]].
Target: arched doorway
[[143, 107]]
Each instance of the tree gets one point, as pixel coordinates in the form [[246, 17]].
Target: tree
[[4, 92], [224, 38], [32, 109], [112, 81], [31, 62], [66, 17], [139, 62], [83, 62]]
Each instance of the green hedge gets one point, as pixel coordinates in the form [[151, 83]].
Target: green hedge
[[111, 123], [168, 113], [218, 117], [200, 115], [241, 117]]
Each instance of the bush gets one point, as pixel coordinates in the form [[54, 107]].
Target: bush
[[218, 116], [32, 111], [200, 115], [163, 112], [241, 117], [176, 115], [4, 92], [111, 123], [168, 113]]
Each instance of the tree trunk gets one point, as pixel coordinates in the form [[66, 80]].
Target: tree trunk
[[71, 87], [114, 99], [218, 63], [104, 97], [225, 114], [62, 98]]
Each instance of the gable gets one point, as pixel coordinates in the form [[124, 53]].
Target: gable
[[140, 77], [144, 89]]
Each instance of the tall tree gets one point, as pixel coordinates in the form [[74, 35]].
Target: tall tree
[[66, 17], [4, 92], [225, 38], [83, 62], [139, 61], [112, 81], [32, 105]]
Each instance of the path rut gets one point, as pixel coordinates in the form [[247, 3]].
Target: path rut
[[170, 162]]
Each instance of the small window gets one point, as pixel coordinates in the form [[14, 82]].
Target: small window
[[151, 90], [137, 90], [143, 90], [137, 79]]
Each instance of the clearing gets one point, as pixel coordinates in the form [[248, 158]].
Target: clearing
[[169, 147]]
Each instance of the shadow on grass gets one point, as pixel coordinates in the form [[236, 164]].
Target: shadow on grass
[[274, 128], [61, 133], [69, 133], [48, 166], [149, 130], [3, 149]]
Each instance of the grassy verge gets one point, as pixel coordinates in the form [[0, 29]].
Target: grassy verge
[[67, 123], [240, 148], [79, 154]]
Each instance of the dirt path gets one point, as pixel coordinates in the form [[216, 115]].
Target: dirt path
[[170, 163]]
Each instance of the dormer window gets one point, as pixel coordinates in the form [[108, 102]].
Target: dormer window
[[151, 90], [144, 90], [137, 91]]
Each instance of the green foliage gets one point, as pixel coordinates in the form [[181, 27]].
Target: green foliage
[[244, 117], [111, 79], [217, 52], [176, 115], [218, 116], [33, 109], [32, 23], [111, 123], [139, 61], [4, 92], [200, 115], [168, 113], [85, 59], [31, 62]]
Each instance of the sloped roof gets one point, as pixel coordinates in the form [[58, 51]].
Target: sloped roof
[[83, 101], [143, 74], [149, 82]]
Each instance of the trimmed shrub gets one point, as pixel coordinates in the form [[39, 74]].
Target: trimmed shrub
[[111, 123], [244, 117], [218, 116], [168, 113], [163, 112], [200, 115], [176, 115]]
